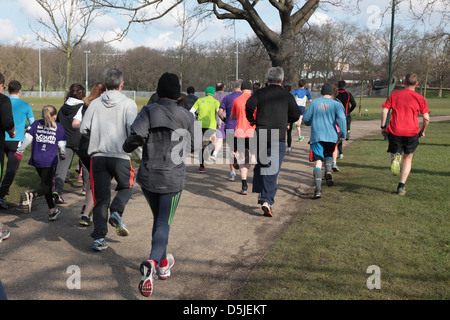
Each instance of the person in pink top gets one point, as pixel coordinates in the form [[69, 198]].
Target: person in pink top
[[404, 131], [244, 144]]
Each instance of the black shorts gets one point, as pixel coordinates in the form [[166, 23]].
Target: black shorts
[[321, 150], [398, 144]]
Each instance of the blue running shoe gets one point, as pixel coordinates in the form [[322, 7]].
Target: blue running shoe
[[99, 245], [116, 221]]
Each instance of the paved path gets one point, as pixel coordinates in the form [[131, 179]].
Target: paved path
[[218, 237]]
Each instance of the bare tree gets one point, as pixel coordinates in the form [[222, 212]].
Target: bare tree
[[279, 45], [66, 25], [137, 11]]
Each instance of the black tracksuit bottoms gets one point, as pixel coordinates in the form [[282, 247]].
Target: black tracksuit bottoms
[[103, 170]]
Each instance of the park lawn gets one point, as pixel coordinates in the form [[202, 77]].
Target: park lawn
[[361, 222]]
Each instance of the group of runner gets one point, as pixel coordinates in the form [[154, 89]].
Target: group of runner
[[254, 123]]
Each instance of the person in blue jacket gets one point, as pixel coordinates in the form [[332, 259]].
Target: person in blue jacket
[[21, 113], [322, 115]]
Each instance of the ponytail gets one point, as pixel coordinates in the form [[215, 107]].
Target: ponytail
[[48, 112]]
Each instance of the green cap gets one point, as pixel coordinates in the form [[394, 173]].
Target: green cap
[[211, 91]]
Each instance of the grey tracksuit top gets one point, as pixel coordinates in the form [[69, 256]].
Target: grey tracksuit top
[[107, 123]]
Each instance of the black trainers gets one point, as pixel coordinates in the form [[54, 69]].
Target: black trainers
[[57, 197], [3, 204], [54, 215], [329, 179], [85, 221]]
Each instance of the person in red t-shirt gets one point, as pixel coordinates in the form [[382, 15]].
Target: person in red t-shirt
[[403, 130], [243, 134]]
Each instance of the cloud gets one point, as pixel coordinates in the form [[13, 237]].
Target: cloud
[[9, 31]]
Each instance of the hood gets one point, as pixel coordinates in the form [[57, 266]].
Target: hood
[[71, 105], [112, 98]]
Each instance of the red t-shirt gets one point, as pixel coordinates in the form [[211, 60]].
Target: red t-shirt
[[405, 106], [243, 128]]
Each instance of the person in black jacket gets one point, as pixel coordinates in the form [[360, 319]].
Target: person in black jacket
[[74, 101], [164, 129], [275, 108], [349, 103], [6, 124]]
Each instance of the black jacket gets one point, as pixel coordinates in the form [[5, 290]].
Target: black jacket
[[275, 108], [347, 100], [65, 118], [6, 117], [164, 129]]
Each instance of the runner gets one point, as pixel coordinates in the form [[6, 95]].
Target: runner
[[46, 136], [243, 133], [322, 115], [160, 176], [302, 97], [108, 160], [21, 113], [206, 109], [403, 131]]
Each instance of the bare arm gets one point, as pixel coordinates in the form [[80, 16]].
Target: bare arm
[[425, 122]]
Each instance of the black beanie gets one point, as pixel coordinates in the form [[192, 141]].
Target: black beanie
[[327, 88], [169, 86]]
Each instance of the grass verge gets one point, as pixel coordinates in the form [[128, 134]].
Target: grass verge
[[361, 222]]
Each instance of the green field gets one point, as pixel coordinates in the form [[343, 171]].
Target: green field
[[361, 222]]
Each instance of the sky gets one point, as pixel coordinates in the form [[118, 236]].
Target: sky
[[17, 16]]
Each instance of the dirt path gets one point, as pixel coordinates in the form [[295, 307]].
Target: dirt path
[[218, 237]]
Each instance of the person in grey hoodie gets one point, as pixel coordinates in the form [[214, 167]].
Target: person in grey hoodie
[[107, 124]]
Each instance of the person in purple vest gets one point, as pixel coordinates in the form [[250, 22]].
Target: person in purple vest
[[46, 136]]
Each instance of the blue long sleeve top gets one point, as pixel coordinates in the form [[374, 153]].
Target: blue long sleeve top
[[322, 115]]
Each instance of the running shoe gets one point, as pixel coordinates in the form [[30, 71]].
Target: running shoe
[[401, 191], [54, 215], [164, 272], [244, 192], [58, 198], [26, 201], [3, 204], [147, 269], [301, 138], [99, 245], [267, 209], [116, 221], [211, 160], [335, 167], [4, 234], [85, 221], [202, 169], [317, 194], [232, 176], [329, 179], [395, 165]]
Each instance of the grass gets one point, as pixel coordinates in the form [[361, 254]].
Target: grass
[[360, 222]]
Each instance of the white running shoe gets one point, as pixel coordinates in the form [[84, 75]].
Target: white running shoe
[[26, 201], [164, 272], [147, 269]]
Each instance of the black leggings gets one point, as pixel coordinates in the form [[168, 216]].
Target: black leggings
[[163, 207], [45, 188]]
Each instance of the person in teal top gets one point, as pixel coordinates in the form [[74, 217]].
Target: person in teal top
[[322, 115], [21, 113]]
